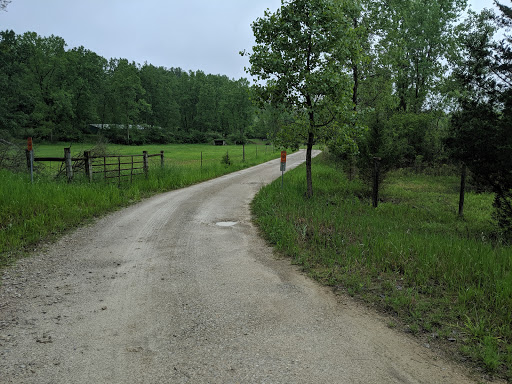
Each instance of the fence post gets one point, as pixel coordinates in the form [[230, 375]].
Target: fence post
[[145, 156], [376, 172], [69, 165], [131, 172], [162, 159], [30, 163], [27, 152], [462, 189], [243, 152], [88, 165]]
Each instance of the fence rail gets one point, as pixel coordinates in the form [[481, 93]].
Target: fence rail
[[138, 164]]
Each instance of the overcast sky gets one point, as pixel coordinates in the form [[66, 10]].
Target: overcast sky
[[191, 34]]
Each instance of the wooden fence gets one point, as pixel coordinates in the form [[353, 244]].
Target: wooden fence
[[110, 166]]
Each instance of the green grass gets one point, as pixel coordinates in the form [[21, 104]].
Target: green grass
[[30, 213], [441, 276]]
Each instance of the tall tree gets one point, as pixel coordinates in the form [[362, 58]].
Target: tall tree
[[125, 95], [45, 64], [161, 93], [4, 4], [301, 52], [414, 36], [481, 131], [84, 78]]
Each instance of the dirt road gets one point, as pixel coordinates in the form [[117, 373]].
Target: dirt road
[[180, 289]]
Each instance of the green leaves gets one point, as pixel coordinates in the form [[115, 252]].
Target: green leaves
[[304, 52]]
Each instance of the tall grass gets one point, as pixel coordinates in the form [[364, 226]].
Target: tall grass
[[444, 277], [32, 213]]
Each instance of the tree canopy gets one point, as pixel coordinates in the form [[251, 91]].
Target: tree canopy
[[302, 51], [54, 93]]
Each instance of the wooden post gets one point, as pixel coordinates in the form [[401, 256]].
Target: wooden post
[[69, 164], [201, 160], [105, 168], [131, 172], [27, 153], [30, 163], [376, 172], [119, 171], [162, 159], [351, 166], [145, 155], [88, 165], [243, 152], [462, 189]]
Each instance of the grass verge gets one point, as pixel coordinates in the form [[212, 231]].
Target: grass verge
[[441, 277]]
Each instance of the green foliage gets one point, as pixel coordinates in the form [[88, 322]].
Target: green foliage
[[481, 135], [225, 159], [302, 51], [54, 94], [413, 257]]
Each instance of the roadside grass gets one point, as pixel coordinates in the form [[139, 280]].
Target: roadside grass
[[31, 214], [443, 278]]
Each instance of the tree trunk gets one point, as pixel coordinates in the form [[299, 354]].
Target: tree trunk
[[462, 189], [376, 175], [309, 176]]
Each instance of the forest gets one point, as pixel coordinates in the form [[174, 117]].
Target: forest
[[408, 83], [55, 94]]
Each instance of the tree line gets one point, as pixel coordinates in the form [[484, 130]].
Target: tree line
[[53, 93], [408, 82]]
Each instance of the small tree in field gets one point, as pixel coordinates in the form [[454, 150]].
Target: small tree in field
[[301, 53]]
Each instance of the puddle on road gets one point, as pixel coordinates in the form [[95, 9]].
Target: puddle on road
[[226, 223]]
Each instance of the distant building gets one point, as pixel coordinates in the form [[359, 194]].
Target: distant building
[[219, 142], [98, 128]]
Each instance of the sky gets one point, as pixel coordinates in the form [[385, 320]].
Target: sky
[[193, 35]]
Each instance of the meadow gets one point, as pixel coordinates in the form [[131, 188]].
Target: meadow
[[34, 213], [445, 279]]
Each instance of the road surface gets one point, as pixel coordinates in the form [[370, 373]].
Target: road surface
[[179, 288]]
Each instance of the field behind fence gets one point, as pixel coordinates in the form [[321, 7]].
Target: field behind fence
[[191, 156]]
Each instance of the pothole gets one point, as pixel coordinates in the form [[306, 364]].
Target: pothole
[[226, 223]]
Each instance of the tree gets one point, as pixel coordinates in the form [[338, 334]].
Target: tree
[[4, 4], [301, 52], [414, 38], [44, 65], [161, 94], [481, 131], [124, 98], [84, 78]]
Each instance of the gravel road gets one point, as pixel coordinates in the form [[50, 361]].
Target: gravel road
[[179, 288]]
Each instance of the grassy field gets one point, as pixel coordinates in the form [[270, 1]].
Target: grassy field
[[33, 213], [190, 155], [442, 278]]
